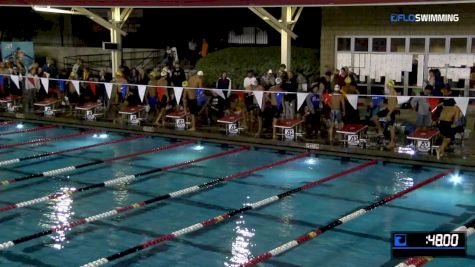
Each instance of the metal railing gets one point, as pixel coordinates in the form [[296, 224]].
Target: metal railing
[[97, 62]]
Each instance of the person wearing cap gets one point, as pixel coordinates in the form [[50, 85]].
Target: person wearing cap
[[162, 97], [118, 93], [190, 102], [272, 107], [268, 79], [352, 115], [337, 106], [71, 95], [388, 114]]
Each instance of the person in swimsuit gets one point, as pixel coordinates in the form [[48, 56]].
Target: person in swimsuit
[[190, 102], [337, 105], [448, 116], [151, 94], [389, 113], [162, 96]]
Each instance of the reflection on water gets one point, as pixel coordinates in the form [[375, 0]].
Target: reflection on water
[[402, 181], [60, 215], [241, 246], [120, 190]]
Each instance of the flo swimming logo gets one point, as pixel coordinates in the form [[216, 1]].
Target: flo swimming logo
[[421, 18]]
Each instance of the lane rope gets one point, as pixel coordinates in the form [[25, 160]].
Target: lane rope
[[96, 162], [348, 217], [41, 128], [47, 139], [48, 154], [468, 229], [118, 180], [123, 209], [6, 123], [222, 217]]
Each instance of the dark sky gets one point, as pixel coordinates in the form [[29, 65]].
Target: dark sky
[[174, 27]]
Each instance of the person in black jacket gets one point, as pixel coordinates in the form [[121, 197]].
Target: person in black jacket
[[178, 75]]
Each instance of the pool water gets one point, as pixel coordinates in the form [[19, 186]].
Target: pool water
[[365, 241]]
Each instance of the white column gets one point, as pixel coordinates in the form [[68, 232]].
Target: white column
[[116, 55], [285, 49]]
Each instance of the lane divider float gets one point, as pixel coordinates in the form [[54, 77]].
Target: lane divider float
[[48, 154], [353, 215], [41, 128], [123, 209], [6, 123], [468, 229], [48, 139], [119, 180], [96, 162], [222, 217]]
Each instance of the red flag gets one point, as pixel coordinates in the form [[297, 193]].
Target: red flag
[[93, 88], [433, 102]]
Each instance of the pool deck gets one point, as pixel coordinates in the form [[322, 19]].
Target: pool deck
[[462, 158]]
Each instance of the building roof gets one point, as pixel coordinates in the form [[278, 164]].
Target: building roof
[[219, 3]]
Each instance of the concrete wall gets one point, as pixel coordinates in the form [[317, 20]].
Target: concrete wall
[[368, 20]]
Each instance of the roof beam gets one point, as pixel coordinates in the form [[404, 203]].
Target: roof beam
[[124, 15], [272, 21], [99, 20], [296, 18]]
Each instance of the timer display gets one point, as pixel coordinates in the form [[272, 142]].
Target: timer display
[[410, 244]]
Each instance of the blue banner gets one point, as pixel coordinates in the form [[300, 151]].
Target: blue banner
[[123, 90], [61, 85]]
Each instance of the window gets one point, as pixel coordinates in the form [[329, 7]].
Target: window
[[417, 45], [398, 45], [379, 44], [437, 45], [361, 44], [344, 44], [458, 45]]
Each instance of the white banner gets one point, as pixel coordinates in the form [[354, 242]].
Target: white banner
[[401, 99], [300, 99], [258, 95], [219, 92], [16, 81], [178, 92], [76, 86], [142, 89], [45, 83], [353, 100], [108, 87], [462, 103]]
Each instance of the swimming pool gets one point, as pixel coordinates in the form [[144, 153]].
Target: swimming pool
[[251, 175]]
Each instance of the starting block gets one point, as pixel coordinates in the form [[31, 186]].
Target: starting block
[[180, 119], [48, 106], [289, 128], [11, 103], [232, 124], [423, 139], [134, 114], [352, 134], [88, 111]]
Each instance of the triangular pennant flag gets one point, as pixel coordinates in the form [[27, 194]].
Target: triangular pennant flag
[[401, 99], [219, 92], [178, 91], [142, 89], [462, 103], [258, 95], [108, 87], [300, 99], [76, 86], [16, 81], [353, 100], [45, 83]]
